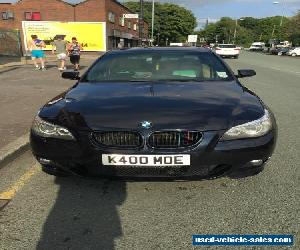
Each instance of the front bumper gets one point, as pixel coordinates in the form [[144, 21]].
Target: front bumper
[[211, 157]]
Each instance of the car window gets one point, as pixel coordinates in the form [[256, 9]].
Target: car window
[[227, 46], [158, 66]]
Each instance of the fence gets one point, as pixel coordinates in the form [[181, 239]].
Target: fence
[[10, 43]]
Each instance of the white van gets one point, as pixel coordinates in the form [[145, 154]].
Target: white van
[[257, 46]]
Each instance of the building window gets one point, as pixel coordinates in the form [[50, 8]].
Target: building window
[[36, 16], [122, 21], [111, 17], [4, 16], [32, 16], [135, 26], [129, 25], [7, 15], [28, 16]]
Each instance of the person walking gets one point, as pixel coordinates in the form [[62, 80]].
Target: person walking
[[59, 47], [36, 47], [74, 49]]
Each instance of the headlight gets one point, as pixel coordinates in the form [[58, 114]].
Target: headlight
[[46, 129], [252, 129]]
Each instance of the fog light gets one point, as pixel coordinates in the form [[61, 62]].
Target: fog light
[[44, 161], [256, 162]]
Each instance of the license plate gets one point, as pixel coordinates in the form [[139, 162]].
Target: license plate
[[145, 160]]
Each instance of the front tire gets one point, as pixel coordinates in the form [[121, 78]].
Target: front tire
[[294, 54]]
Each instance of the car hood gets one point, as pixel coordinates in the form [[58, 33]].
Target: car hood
[[185, 105]]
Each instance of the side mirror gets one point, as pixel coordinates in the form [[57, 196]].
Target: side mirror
[[73, 75], [245, 73]]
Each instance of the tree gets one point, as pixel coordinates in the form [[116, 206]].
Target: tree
[[209, 33], [251, 29], [293, 30], [249, 23], [225, 28], [172, 23]]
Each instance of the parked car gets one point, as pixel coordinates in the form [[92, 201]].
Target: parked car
[[283, 51], [155, 112], [294, 52], [279, 51], [228, 50], [257, 46]]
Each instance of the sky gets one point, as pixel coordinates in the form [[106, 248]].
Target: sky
[[214, 9]]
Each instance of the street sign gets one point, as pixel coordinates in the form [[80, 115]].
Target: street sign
[[192, 38], [130, 16]]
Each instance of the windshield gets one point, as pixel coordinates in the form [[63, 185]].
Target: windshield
[[158, 66]]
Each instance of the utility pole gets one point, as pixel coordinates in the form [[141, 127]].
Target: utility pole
[[152, 28], [236, 24], [282, 16], [235, 29], [141, 22]]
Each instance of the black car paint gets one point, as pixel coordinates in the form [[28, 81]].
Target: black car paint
[[212, 107], [194, 105]]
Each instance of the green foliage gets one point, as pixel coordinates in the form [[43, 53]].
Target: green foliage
[[293, 29], [172, 23], [249, 29]]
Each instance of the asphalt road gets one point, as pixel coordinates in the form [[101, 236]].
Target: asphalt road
[[72, 213]]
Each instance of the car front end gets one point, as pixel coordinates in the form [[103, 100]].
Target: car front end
[[153, 150], [158, 113]]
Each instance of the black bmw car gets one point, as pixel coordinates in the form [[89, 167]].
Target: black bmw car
[[155, 112]]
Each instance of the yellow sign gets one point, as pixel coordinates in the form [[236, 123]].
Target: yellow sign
[[91, 35]]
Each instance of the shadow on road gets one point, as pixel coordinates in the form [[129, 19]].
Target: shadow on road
[[84, 215]]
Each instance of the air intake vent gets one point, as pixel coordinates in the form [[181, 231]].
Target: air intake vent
[[174, 139], [119, 139]]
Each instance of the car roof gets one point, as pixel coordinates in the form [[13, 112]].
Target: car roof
[[169, 49]]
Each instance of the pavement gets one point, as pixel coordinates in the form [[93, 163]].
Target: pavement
[[24, 90], [45, 212], [9, 59]]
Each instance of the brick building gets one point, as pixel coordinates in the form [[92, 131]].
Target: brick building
[[109, 11]]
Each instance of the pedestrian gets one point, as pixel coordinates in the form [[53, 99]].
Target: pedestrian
[[120, 45], [36, 47], [74, 49], [59, 47]]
